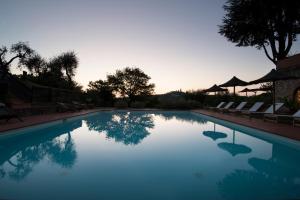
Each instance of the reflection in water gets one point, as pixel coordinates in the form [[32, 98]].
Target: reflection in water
[[276, 178], [233, 148], [181, 116], [279, 165], [214, 134], [20, 154], [129, 128], [169, 159]]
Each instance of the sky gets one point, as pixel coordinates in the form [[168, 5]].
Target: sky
[[175, 42]]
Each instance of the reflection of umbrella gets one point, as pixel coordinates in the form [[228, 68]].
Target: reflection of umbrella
[[215, 89], [233, 83], [246, 90], [214, 134], [233, 148], [273, 76]]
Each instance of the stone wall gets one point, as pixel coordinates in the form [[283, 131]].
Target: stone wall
[[288, 88]]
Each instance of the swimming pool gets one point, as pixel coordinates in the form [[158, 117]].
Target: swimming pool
[[147, 155]]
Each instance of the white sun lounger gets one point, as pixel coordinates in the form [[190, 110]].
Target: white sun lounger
[[276, 117], [254, 108], [239, 107], [296, 118], [228, 105], [269, 110], [218, 106]]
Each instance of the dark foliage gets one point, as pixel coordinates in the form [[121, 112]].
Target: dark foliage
[[19, 51], [100, 93], [130, 83], [262, 23]]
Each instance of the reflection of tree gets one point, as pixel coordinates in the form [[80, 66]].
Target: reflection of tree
[[125, 127], [20, 154], [63, 151], [181, 116], [275, 178]]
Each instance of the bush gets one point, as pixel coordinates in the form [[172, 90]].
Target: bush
[[179, 104], [291, 104], [138, 104], [121, 103]]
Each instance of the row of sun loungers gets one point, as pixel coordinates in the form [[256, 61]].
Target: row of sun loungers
[[7, 113], [254, 111]]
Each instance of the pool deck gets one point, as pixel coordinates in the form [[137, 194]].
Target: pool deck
[[285, 130], [40, 119]]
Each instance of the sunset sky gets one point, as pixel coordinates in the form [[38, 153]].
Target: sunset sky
[[176, 42]]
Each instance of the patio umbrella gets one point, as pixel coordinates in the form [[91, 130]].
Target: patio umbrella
[[234, 148], [260, 89], [273, 76], [214, 134], [233, 83], [215, 89], [246, 90]]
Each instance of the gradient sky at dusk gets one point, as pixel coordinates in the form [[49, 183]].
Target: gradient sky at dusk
[[176, 42]]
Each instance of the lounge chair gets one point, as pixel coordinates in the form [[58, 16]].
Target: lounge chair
[[78, 106], [276, 117], [218, 106], [254, 108], [64, 107], [228, 105], [7, 114], [239, 107], [269, 110], [296, 118]]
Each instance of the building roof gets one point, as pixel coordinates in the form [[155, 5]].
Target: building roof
[[291, 62]]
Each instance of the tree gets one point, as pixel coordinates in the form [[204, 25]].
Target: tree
[[261, 24], [19, 51], [69, 63], [100, 92], [130, 83], [58, 71], [35, 64]]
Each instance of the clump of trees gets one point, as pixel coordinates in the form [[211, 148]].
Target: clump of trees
[[130, 84], [57, 72], [263, 24]]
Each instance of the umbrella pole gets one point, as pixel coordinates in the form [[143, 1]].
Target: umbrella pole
[[233, 137], [274, 97], [246, 94], [234, 90]]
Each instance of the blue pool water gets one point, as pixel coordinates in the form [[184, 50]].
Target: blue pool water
[[147, 155]]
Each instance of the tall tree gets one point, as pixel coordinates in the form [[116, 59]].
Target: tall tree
[[60, 69], [19, 51], [130, 83], [262, 24], [69, 63]]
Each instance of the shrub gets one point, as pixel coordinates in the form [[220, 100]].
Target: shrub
[[291, 104], [179, 104], [121, 103], [138, 104]]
